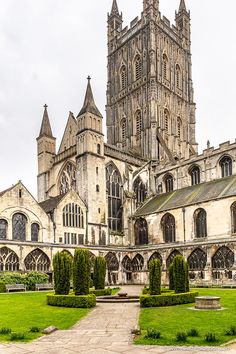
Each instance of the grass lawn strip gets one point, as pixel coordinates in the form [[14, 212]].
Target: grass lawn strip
[[173, 319], [21, 311]]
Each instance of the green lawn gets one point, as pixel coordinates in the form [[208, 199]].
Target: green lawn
[[22, 311], [173, 319]]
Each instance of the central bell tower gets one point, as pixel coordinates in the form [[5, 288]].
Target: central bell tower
[[150, 105]]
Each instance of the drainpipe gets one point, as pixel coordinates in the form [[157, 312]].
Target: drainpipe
[[184, 211]]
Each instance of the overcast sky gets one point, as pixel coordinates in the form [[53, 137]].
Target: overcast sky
[[48, 48]]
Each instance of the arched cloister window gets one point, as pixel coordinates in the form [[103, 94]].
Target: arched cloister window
[[35, 232], [171, 257], [166, 120], [140, 191], [112, 262], [197, 260], [223, 258], [126, 264], [138, 127], [233, 217], [123, 132], [67, 178], [19, 222], [155, 255], [179, 127], [3, 229], [200, 218], [178, 76], [168, 227], [38, 261], [226, 166], [114, 189], [169, 183], [9, 261], [73, 216], [165, 68], [141, 232], [195, 175], [138, 67], [137, 263], [123, 77]]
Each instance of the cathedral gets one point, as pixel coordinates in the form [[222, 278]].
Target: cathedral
[[145, 193]]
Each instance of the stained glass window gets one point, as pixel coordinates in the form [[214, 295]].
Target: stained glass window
[[19, 227], [3, 229], [34, 232], [168, 226]]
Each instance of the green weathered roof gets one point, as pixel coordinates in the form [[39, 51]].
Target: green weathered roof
[[204, 192]]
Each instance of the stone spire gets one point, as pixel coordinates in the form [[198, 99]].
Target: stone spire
[[89, 105], [45, 126], [182, 6], [114, 9]]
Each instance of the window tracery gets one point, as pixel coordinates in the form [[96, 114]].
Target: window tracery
[[9, 261], [73, 216], [168, 226], [137, 263], [223, 258], [138, 67], [226, 166], [155, 255], [197, 260], [38, 261], [112, 262], [195, 175], [169, 183], [34, 232], [3, 229], [123, 77], [141, 232], [19, 222], [68, 178], [171, 258], [140, 191], [200, 217]]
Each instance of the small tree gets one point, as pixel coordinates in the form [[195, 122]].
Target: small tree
[[179, 274], [81, 272], [171, 277], [99, 273], [187, 276], [62, 265], [155, 277]]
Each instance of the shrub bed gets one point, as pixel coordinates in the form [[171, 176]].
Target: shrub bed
[[101, 292], [73, 301], [167, 299], [28, 279]]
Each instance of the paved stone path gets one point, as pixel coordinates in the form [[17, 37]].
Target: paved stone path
[[106, 330]]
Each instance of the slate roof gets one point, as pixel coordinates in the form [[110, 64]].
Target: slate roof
[[50, 204], [204, 192]]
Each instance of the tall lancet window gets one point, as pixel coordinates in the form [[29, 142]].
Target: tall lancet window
[[178, 77], [114, 190], [165, 67], [68, 178], [166, 121], [123, 132], [138, 127], [200, 217], [123, 77], [138, 67], [226, 166], [140, 191]]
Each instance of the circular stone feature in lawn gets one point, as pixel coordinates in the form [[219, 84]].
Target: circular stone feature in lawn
[[207, 303]]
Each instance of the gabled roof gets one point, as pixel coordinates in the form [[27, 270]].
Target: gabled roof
[[6, 190], [50, 204], [89, 104], [204, 192]]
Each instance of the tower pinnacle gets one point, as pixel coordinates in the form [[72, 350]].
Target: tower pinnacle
[[89, 103], [114, 9], [45, 126], [182, 6]]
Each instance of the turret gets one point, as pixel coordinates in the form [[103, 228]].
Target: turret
[[182, 18], [46, 151], [114, 22]]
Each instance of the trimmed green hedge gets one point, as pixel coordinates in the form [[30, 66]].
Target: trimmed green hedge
[[146, 291], [167, 299], [101, 292], [77, 301]]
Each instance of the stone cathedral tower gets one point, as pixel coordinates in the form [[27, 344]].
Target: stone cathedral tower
[[150, 104]]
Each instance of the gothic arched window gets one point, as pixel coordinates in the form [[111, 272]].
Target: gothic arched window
[[9, 261], [68, 178], [141, 232], [168, 227], [3, 229], [165, 67], [226, 166], [200, 218], [137, 263], [233, 217], [138, 68], [112, 262], [179, 128], [123, 77], [123, 132], [155, 255], [73, 216], [138, 127], [37, 261], [169, 183], [114, 189], [34, 232], [223, 258], [171, 258], [126, 264], [19, 222], [195, 175], [166, 120], [140, 191], [178, 76], [197, 260]]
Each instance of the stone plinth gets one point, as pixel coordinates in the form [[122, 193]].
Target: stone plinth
[[207, 303]]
